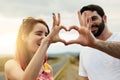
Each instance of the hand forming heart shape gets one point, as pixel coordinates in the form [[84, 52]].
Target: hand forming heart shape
[[68, 35]]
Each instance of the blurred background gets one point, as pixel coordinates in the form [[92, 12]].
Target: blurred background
[[12, 12]]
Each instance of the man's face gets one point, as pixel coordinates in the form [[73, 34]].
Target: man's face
[[98, 24], [99, 28]]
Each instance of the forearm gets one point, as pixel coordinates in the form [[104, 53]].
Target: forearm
[[36, 62], [111, 48]]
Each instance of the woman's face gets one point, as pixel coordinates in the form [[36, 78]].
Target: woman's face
[[35, 37]]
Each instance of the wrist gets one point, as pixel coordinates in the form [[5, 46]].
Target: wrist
[[95, 43], [46, 41]]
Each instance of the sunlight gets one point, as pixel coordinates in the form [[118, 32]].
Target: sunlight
[[7, 44], [9, 24], [8, 31]]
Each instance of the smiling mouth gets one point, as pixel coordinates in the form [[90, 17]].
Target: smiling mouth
[[94, 31], [94, 28]]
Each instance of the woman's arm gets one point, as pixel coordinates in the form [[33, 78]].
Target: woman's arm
[[14, 71]]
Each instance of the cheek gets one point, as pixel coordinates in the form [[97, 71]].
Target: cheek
[[32, 45], [35, 41], [35, 38], [32, 42]]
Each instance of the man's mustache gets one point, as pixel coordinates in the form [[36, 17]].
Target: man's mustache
[[94, 26]]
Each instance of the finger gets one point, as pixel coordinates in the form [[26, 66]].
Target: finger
[[54, 20], [85, 19], [71, 42], [63, 27], [89, 23], [79, 18], [73, 27], [63, 41], [58, 22], [82, 18]]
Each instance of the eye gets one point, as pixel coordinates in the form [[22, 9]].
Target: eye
[[94, 18], [46, 34], [39, 34]]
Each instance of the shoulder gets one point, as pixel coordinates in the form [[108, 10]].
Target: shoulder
[[10, 64], [114, 37], [12, 67], [116, 34]]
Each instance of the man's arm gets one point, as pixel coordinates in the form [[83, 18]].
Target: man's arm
[[111, 48]]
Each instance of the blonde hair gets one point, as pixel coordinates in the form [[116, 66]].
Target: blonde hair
[[22, 55]]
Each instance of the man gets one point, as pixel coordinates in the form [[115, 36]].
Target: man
[[100, 58]]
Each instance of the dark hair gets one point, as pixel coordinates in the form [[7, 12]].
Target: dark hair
[[93, 7]]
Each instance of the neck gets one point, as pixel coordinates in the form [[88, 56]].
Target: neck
[[105, 34]]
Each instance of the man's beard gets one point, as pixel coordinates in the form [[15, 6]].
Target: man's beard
[[100, 27]]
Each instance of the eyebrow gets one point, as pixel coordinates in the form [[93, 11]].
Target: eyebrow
[[94, 17], [41, 32]]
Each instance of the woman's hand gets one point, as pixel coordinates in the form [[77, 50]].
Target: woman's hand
[[54, 34]]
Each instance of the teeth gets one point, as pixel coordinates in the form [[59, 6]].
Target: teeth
[[94, 28]]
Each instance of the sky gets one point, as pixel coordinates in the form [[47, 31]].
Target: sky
[[12, 12]]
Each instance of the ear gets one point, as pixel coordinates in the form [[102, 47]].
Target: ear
[[105, 18]]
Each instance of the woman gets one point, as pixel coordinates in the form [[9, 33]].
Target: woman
[[32, 43]]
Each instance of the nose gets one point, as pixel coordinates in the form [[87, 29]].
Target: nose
[[43, 36]]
